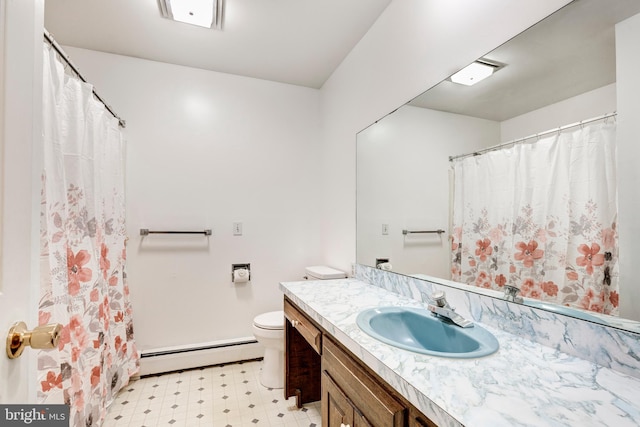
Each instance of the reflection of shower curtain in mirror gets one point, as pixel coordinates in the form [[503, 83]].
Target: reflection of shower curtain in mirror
[[83, 251], [542, 217]]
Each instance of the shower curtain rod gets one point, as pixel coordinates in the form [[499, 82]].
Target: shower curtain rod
[[49, 38], [537, 135]]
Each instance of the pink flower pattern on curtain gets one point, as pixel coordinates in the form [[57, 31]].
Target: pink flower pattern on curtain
[[541, 217], [83, 236]]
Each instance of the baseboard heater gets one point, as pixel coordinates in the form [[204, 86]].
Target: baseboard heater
[[167, 359], [198, 348]]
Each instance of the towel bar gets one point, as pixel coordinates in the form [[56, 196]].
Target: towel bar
[[405, 232], [146, 232]]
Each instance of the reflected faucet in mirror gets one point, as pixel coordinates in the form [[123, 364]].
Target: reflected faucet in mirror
[[511, 294], [383, 264]]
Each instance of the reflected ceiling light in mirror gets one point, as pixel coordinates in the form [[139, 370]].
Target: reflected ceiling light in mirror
[[475, 72], [203, 13]]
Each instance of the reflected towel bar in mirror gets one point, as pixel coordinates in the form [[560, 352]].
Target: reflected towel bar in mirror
[[405, 232], [146, 232]]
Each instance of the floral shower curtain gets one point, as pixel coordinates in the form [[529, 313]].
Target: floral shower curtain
[[83, 250], [541, 217]]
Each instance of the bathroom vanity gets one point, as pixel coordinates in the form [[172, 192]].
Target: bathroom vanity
[[320, 368], [364, 382]]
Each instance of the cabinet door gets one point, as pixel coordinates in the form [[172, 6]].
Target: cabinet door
[[337, 411], [373, 400], [359, 420], [302, 360]]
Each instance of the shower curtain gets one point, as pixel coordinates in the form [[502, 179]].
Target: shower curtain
[[542, 217], [83, 282]]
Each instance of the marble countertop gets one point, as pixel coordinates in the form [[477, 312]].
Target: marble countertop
[[523, 384]]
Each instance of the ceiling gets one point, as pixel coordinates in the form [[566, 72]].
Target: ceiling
[[569, 53], [299, 42]]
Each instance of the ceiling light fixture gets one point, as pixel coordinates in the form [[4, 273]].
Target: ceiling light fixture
[[475, 72], [203, 13]]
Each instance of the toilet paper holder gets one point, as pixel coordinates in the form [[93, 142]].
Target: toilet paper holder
[[235, 267]]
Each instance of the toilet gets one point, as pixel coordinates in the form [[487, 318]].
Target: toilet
[[322, 272], [268, 329]]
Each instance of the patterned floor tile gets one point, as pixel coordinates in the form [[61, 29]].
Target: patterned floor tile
[[221, 396]]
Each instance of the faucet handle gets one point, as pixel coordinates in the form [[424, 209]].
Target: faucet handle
[[439, 298], [511, 294], [511, 290]]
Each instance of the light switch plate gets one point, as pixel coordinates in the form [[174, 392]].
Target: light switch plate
[[237, 229]]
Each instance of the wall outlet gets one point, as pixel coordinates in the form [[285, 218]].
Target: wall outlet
[[237, 229]]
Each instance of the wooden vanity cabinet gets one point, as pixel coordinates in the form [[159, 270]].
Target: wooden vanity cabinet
[[337, 409], [303, 345], [319, 368], [416, 419], [306, 327], [350, 393]]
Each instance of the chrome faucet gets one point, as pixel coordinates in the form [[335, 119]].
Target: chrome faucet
[[511, 294], [441, 307]]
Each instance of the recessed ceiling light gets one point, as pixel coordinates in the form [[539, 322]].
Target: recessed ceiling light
[[475, 72], [204, 13]]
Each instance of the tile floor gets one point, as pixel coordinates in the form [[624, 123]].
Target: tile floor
[[219, 396]]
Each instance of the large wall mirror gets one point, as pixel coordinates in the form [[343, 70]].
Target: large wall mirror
[[560, 77]]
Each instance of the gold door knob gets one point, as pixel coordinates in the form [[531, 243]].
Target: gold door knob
[[46, 336]]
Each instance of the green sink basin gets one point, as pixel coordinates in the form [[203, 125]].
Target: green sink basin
[[420, 331]]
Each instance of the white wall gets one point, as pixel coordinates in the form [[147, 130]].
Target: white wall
[[206, 149], [572, 110], [411, 47], [403, 177], [628, 129]]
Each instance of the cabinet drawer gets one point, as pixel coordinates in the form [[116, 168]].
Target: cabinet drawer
[[303, 325], [369, 397]]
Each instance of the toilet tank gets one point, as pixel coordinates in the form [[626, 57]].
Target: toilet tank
[[322, 272]]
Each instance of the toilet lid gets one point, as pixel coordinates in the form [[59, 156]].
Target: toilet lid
[[270, 320]]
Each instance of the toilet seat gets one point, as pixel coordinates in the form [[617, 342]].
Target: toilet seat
[[273, 320]]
